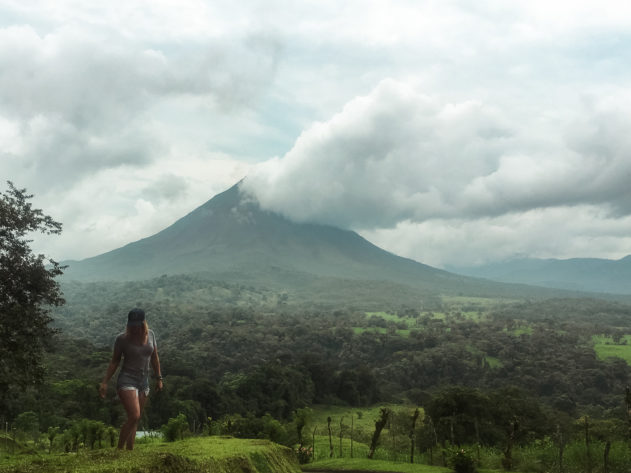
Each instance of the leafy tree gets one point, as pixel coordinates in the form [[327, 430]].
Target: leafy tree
[[27, 289], [175, 428], [301, 419], [27, 424], [51, 434]]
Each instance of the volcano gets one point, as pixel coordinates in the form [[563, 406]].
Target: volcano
[[231, 238]]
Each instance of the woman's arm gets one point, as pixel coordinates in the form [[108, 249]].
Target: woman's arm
[[155, 365], [111, 369]]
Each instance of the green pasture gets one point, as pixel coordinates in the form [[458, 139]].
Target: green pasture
[[363, 417], [359, 464], [363, 424], [605, 347], [409, 321], [193, 455], [520, 330], [492, 361]]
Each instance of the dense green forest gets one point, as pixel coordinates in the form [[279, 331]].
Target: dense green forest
[[250, 358]]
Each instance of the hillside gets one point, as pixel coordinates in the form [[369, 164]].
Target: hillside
[[578, 274], [230, 235], [221, 455], [229, 238]]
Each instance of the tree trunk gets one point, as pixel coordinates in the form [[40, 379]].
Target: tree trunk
[[413, 434], [589, 455], [394, 440], [379, 425], [313, 441], [627, 399], [477, 439], [561, 447], [606, 457], [507, 461]]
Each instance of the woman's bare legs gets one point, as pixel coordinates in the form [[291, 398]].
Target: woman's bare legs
[[133, 402]]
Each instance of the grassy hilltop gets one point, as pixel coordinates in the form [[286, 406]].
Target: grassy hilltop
[[201, 454]]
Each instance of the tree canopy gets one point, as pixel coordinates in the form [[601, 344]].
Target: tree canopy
[[27, 289]]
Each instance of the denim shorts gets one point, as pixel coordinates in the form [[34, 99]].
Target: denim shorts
[[129, 382]]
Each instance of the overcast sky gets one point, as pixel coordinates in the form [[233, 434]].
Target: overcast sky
[[451, 132]]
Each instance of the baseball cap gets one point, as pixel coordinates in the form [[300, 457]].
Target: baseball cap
[[135, 317]]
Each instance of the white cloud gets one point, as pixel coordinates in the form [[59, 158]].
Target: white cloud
[[124, 204], [558, 232], [497, 113], [397, 155], [78, 103]]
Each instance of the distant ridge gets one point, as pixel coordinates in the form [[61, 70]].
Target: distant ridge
[[231, 238], [578, 274]]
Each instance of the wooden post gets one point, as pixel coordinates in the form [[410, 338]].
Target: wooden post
[[477, 438], [341, 437], [352, 425], [328, 423], [606, 457]]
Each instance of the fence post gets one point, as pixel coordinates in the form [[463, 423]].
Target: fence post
[[352, 424]]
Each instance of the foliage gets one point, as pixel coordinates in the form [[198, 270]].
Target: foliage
[[27, 288], [193, 455], [304, 454], [301, 418], [175, 428], [27, 424], [462, 461]]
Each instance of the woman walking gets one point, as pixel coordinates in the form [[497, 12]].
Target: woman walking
[[137, 347]]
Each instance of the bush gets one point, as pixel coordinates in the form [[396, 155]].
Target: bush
[[305, 455], [462, 461], [175, 428]]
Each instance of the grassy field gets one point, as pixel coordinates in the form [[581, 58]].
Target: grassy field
[[605, 347], [363, 417], [364, 464], [520, 330], [363, 420], [200, 454]]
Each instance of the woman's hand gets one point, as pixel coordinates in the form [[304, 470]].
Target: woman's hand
[[159, 385], [103, 390]]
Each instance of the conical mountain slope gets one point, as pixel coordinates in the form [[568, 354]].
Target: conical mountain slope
[[230, 238], [231, 234]]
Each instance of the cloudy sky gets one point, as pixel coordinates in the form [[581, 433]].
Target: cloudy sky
[[451, 132]]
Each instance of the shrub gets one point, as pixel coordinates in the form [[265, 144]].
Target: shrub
[[305, 455], [462, 461], [175, 428]]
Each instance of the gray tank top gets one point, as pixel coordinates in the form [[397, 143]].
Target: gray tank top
[[136, 358]]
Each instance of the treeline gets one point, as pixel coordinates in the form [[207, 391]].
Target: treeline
[[484, 373], [242, 361]]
